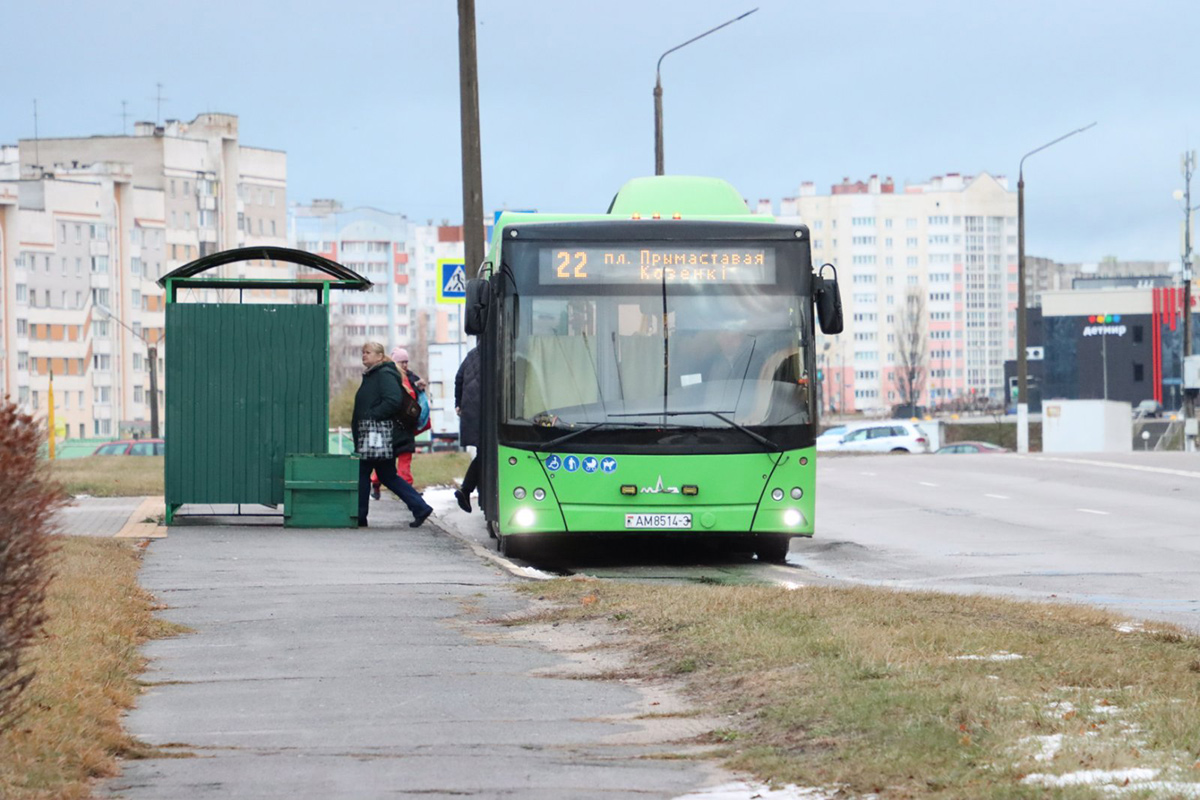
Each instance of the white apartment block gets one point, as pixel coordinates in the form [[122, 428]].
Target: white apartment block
[[87, 226], [951, 241], [400, 258]]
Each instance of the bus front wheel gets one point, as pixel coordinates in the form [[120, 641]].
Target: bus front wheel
[[514, 546], [773, 549]]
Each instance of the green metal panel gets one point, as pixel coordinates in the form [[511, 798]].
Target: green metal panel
[[320, 491], [246, 384]]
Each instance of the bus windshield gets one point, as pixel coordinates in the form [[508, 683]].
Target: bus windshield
[[676, 359]]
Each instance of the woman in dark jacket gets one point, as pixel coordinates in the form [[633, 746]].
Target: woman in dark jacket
[[405, 440], [375, 408], [469, 407]]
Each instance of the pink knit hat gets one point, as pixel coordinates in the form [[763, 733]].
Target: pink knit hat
[[399, 354]]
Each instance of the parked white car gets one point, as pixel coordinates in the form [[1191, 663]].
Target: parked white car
[[831, 438], [884, 437]]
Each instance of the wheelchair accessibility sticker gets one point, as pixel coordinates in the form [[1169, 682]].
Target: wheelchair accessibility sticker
[[590, 464]]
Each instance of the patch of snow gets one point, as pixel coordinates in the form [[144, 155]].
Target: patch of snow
[[741, 790], [1001, 656], [791, 587], [1092, 777], [536, 573], [1048, 746], [1160, 788], [1061, 706]]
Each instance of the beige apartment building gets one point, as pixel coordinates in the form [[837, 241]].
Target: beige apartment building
[[947, 247], [87, 226]]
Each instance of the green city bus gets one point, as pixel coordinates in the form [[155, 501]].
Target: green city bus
[[650, 371]]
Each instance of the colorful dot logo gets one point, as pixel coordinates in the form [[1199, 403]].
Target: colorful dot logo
[[1104, 319]]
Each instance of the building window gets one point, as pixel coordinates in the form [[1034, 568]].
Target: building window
[[1137, 338], [1138, 373]]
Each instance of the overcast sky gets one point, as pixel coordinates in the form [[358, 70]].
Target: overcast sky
[[363, 96]]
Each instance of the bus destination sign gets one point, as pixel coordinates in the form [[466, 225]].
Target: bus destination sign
[[673, 264]]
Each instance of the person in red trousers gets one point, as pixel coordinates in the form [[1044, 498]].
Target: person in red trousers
[[405, 440]]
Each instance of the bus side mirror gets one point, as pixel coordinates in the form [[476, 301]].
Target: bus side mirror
[[828, 301], [475, 305]]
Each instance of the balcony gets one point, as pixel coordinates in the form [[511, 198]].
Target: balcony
[[98, 247]]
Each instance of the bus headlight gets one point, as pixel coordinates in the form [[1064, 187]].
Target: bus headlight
[[519, 492], [777, 495], [524, 517], [539, 494], [792, 517], [797, 493]]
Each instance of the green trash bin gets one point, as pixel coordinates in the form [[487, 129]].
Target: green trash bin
[[320, 491]]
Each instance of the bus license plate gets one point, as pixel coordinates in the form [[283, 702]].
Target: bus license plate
[[658, 520]]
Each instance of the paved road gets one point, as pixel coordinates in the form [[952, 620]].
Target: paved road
[[1120, 531], [359, 664]]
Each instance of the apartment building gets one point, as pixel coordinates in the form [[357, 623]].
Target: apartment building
[[1046, 275], [940, 256], [400, 258], [87, 226]]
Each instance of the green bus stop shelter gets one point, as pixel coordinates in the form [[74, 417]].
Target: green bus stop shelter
[[247, 383]]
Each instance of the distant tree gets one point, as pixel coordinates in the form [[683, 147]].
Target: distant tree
[[910, 371], [28, 501]]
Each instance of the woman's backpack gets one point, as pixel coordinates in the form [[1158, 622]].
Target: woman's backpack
[[423, 421], [409, 415]]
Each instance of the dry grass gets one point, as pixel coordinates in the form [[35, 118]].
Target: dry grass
[[87, 666], [438, 469], [111, 476], [137, 476], [866, 689]]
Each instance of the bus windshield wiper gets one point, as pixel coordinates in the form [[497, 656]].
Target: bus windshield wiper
[[765, 442], [566, 437]]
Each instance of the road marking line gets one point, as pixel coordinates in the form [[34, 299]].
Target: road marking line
[[1092, 511], [926, 483], [997, 496], [1114, 465]]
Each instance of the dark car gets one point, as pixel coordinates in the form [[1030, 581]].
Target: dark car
[[908, 411], [132, 447], [972, 447]]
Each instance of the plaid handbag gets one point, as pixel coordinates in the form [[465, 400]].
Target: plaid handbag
[[373, 439]]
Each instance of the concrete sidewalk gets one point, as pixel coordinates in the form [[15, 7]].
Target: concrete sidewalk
[[360, 663]]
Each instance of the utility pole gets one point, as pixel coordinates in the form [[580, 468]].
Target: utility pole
[[152, 354], [1188, 163], [37, 153], [472, 171]]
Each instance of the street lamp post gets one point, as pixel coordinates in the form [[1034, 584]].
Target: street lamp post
[[152, 355], [1022, 379], [658, 134]]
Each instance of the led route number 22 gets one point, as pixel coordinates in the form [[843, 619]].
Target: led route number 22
[[564, 264]]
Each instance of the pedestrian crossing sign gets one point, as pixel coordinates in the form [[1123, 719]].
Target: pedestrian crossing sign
[[452, 281]]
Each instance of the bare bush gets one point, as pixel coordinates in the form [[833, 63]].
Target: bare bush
[[28, 500]]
